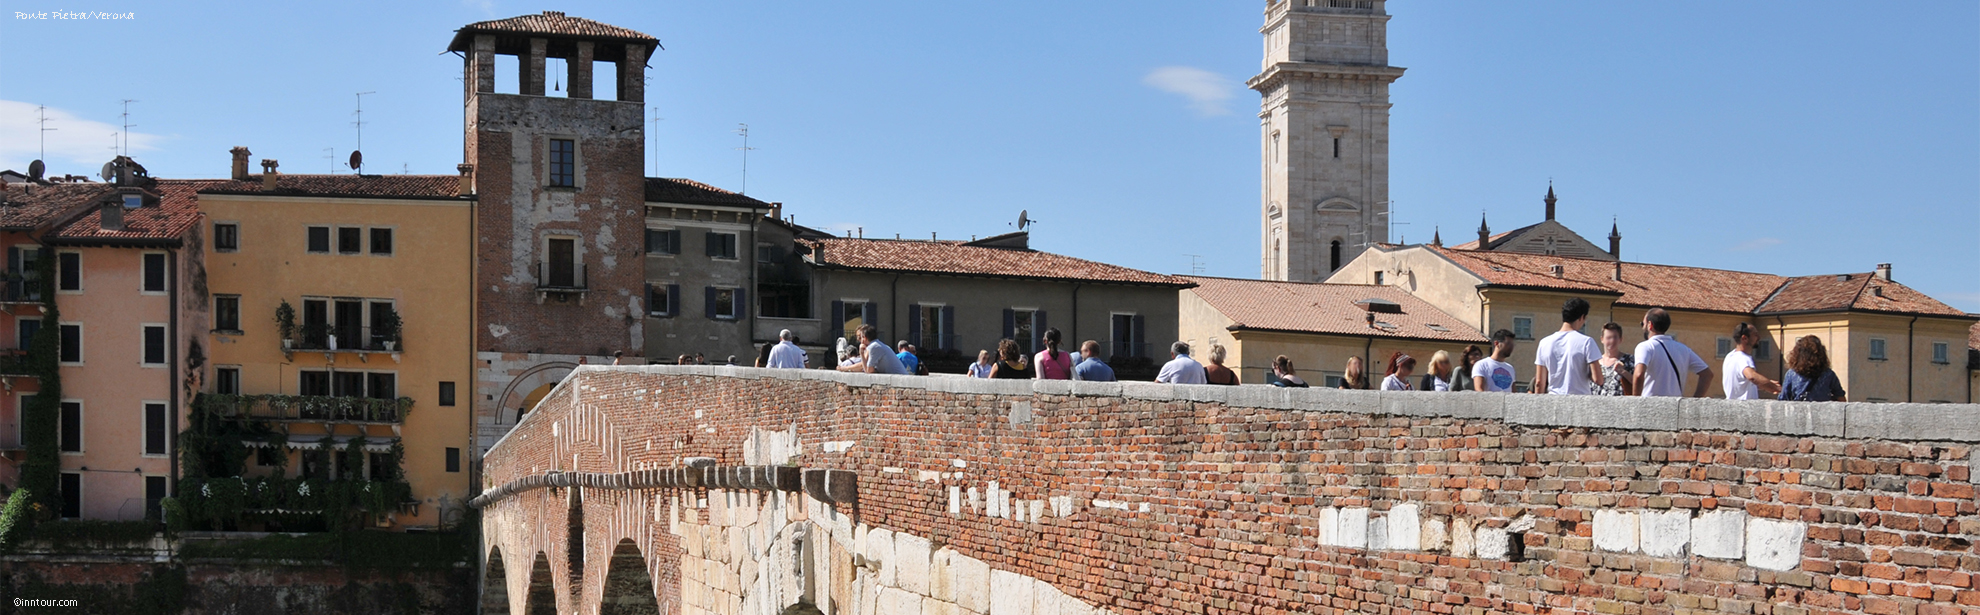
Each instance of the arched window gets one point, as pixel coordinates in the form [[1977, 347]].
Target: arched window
[[1334, 252]]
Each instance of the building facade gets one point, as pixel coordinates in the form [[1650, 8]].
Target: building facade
[[1324, 135], [704, 248], [342, 309]]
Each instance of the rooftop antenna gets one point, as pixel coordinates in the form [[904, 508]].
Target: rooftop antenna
[[1195, 264], [744, 131], [357, 157], [331, 154], [128, 125], [654, 136], [41, 117]]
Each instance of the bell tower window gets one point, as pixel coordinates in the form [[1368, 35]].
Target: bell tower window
[[563, 163], [1334, 255]]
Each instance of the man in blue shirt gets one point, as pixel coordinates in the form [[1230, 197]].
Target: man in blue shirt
[[1092, 369], [908, 360]]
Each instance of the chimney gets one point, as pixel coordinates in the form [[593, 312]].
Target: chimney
[[268, 166], [1558, 270], [467, 178], [777, 210], [1884, 271], [1617, 276], [240, 162]]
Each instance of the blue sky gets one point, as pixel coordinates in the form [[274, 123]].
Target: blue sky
[[1785, 137]]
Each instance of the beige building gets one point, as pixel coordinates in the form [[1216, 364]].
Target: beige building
[[1887, 342], [1317, 326]]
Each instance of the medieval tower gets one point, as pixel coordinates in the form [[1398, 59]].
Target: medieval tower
[[1324, 125]]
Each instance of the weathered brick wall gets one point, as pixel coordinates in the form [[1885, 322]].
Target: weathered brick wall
[[1196, 499]]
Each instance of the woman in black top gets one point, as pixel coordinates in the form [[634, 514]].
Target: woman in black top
[[1010, 362]]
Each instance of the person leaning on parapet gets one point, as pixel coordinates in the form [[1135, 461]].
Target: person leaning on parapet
[[1397, 377], [786, 354], [1050, 363], [1091, 368], [1181, 369], [1438, 377], [1741, 381], [1215, 372], [1493, 374], [879, 360], [1662, 362], [1461, 377], [1568, 362], [1284, 376], [1618, 367], [907, 358], [981, 368], [1809, 377], [1010, 361], [1355, 376]]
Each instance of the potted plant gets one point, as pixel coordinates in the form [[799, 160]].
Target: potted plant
[[388, 328], [285, 323]]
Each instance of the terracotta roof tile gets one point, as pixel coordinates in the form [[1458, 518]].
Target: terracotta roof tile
[[1328, 309], [29, 206], [690, 192], [1692, 288], [176, 211], [372, 186], [1857, 291], [958, 258], [512, 34]]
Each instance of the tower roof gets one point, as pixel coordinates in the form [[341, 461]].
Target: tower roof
[[512, 35]]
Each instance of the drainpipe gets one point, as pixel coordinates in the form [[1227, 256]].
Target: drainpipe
[[172, 351], [1367, 364], [754, 293], [1485, 328], [1911, 356]]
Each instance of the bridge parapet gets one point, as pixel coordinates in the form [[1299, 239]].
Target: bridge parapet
[[1138, 497]]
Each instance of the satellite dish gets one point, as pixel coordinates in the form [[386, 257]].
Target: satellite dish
[[35, 169], [109, 172], [1024, 219], [357, 160]]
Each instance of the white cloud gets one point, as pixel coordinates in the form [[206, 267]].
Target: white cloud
[[487, 7], [1757, 244], [76, 145], [1206, 91]]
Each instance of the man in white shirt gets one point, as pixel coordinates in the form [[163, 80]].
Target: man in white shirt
[[1567, 362], [786, 355], [1742, 381], [878, 359], [1662, 362], [1181, 369], [1493, 374]]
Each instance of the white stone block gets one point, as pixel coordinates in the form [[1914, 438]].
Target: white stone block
[[1011, 593], [1665, 534], [971, 579], [1051, 601], [955, 499], [1720, 534], [1405, 528], [1615, 531], [1463, 542], [975, 500], [1378, 533], [1774, 545], [1037, 510], [941, 576], [1062, 506], [912, 558], [1353, 528], [1493, 543], [878, 547], [1330, 520], [1433, 535], [993, 497], [897, 602]]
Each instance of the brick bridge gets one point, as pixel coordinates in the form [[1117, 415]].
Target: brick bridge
[[743, 491]]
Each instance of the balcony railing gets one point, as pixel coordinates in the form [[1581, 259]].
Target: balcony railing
[[562, 279], [14, 363], [320, 336], [308, 408], [20, 287]]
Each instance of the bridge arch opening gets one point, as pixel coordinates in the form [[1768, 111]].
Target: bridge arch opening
[[494, 585], [628, 585], [574, 546], [542, 598]]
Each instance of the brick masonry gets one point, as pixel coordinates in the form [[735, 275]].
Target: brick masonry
[[1135, 497]]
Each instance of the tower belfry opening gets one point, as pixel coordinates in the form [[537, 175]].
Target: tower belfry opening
[[1324, 116]]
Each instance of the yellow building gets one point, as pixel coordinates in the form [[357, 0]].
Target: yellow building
[[376, 275], [1317, 326], [1886, 341]]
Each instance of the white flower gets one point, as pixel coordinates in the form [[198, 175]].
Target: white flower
[[302, 489], [206, 490]]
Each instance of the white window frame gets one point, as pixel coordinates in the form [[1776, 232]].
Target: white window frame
[[1725, 346], [1025, 342], [337, 239], [1878, 344], [939, 333], [735, 309], [577, 253], [329, 246], [144, 430], [1111, 315], [168, 344], [164, 258], [215, 229], [216, 314], [82, 427], [1942, 353], [1529, 326], [82, 344], [81, 284], [664, 229], [577, 162], [735, 241], [395, 241], [37, 329]]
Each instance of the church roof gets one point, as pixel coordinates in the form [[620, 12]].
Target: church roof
[[1499, 239], [1334, 309]]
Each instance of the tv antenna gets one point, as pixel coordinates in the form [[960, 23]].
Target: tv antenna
[[128, 125], [1195, 264], [41, 117], [357, 157], [330, 153], [744, 131], [654, 136]]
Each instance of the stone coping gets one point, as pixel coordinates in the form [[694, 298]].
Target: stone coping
[[1848, 420]]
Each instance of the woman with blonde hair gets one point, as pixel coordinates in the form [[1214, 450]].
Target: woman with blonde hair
[[1215, 372], [1438, 378], [1355, 376]]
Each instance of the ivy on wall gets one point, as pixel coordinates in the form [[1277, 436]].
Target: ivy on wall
[[41, 470]]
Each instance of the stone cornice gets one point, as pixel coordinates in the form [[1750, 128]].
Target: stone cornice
[[1288, 70]]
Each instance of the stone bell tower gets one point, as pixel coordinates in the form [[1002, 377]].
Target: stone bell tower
[[1324, 125]]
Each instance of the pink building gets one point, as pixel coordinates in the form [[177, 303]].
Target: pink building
[[129, 291]]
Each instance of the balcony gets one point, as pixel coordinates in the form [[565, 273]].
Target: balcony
[[363, 341], [562, 282], [20, 287], [14, 362], [308, 408]]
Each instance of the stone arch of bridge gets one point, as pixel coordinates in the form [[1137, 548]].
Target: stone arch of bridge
[[514, 397], [542, 596], [629, 586], [494, 585]]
